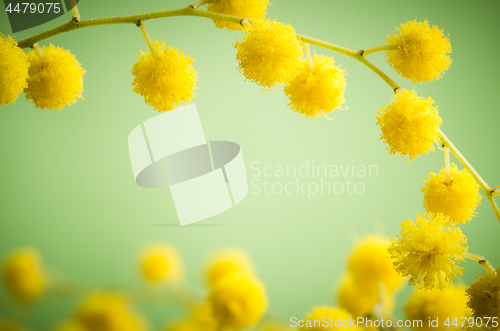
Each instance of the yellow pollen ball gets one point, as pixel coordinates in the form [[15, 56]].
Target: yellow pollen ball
[[270, 53], [317, 90], [228, 263], [55, 82], [249, 9], [370, 264], [166, 81], [427, 250], [23, 276], [484, 296], [160, 263], [409, 124], [446, 305], [360, 300], [108, 312], [457, 199], [422, 51], [238, 300], [13, 70]]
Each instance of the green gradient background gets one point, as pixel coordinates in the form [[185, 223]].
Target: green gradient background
[[67, 186]]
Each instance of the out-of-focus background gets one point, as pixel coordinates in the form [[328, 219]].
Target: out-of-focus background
[[67, 189]]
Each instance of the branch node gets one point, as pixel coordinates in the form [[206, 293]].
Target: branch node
[[138, 23], [361, 52]]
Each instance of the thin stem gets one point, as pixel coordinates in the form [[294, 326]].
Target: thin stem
[[481, 260], [351, 53], [145, 33], [308, 56], [365, 52], [200, 3], [131, 19], [39, 54], [76, 14], [447, 164], [486, 189]]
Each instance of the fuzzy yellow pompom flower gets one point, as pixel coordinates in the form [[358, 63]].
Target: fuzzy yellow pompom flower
[[360, 300], [270, 54], [409, 124], [13, 70], [238, 300], [422, 52], [370, 264], [427, 250], [23, 276], [164, 81], [108, 312], [323, 318], [243, 8], [228, 263], [160, 263], [317, 90], [457, 199], [6, 325], [484, 295], [55, 81], [445, 306]]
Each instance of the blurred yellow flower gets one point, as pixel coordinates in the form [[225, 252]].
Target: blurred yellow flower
[[323, 318], [108, 312], [56, 82], [360, 300], [166, 81], [458, 199], [370, 264], [23, 276], [70, 326], [317, 90], [201, 319], [13, 70], [244, 8], [422, 53], [160, 263], [270, 54], [427, 251], [228, 262], [6, 325], [409, 124], [238, 300], [446, 305], [484, 295]]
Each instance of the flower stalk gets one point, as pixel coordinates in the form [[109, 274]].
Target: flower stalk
[[200, 3], [76, 14], [486, 189], [39, 53], [365, 52], [481, 260], [145, 33], [447, 164], [309, 57]]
